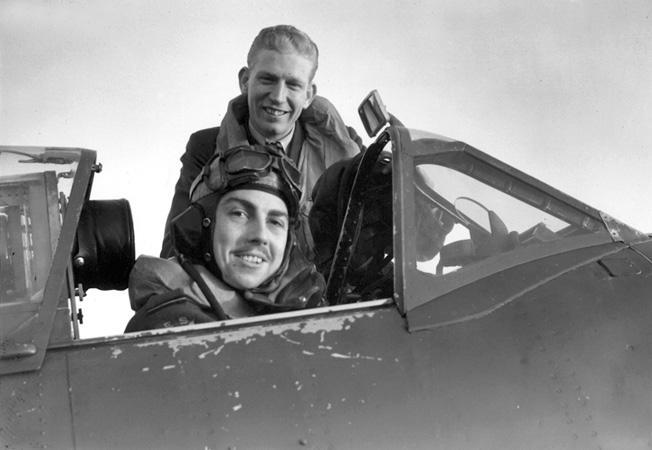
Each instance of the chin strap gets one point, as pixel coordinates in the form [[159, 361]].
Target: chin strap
[[195, 275]]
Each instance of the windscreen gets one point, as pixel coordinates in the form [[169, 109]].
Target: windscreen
[[34, 185], [467, 212]]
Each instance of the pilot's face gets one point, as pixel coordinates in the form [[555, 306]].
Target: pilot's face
[[278, 88], [249, 237]]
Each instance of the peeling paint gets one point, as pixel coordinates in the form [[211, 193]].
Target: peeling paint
[[213, 352], [289, 340], [356, 356], [179, 342], [251, 333]]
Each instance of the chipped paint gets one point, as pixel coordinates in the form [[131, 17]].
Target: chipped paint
[[289, 340], [356, 356], [115, 352], [211, 352], [620, 231], [250, 334]]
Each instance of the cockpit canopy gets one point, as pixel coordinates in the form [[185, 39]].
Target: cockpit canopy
[[54, 243]]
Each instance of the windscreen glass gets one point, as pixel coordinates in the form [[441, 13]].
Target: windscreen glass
[[467, 211], [34, 185]]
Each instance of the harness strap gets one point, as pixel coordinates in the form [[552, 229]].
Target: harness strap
[[196, 276]]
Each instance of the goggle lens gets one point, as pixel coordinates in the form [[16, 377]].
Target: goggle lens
[[247, 160]]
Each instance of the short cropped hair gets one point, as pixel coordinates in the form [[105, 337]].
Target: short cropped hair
[[285, 39]]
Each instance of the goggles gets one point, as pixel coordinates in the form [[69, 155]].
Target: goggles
[[263, 167], [247, 162]]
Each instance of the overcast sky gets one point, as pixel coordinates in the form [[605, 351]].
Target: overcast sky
[[560, 89]]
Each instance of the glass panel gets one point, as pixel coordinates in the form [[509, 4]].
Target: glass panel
[[32, 182], [472, 220]]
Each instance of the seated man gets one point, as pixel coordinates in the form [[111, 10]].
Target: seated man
[[235, 244]]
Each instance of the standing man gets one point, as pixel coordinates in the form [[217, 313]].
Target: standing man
[[278, 104]]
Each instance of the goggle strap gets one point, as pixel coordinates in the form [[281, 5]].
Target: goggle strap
[[203, 175]]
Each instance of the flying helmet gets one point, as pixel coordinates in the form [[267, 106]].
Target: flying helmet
[[265, 168]]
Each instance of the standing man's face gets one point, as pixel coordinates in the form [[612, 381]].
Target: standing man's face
[[249, 237], [278, 88]]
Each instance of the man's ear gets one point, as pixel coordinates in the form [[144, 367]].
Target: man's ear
[[310, 95], [243, 79]]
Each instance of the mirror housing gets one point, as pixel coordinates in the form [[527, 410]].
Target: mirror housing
[[373, 113]]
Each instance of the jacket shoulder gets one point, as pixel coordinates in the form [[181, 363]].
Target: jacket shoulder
[[151, 276], [206, 137]]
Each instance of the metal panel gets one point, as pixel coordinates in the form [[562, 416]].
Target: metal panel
[[565, 366], [36, 408], [496, 290]]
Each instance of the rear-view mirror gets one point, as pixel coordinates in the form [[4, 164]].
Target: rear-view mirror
[[373, 113]]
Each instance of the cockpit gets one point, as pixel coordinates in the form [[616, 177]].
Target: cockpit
[[484, 218]]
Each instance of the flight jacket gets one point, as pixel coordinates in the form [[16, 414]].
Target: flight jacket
[[164, 295]]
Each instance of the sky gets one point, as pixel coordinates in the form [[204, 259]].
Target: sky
[[560, 89]]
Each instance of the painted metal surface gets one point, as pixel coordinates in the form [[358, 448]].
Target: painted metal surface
[[565, 365]]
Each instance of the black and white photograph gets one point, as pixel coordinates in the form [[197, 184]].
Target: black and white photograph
[[325, 224]]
